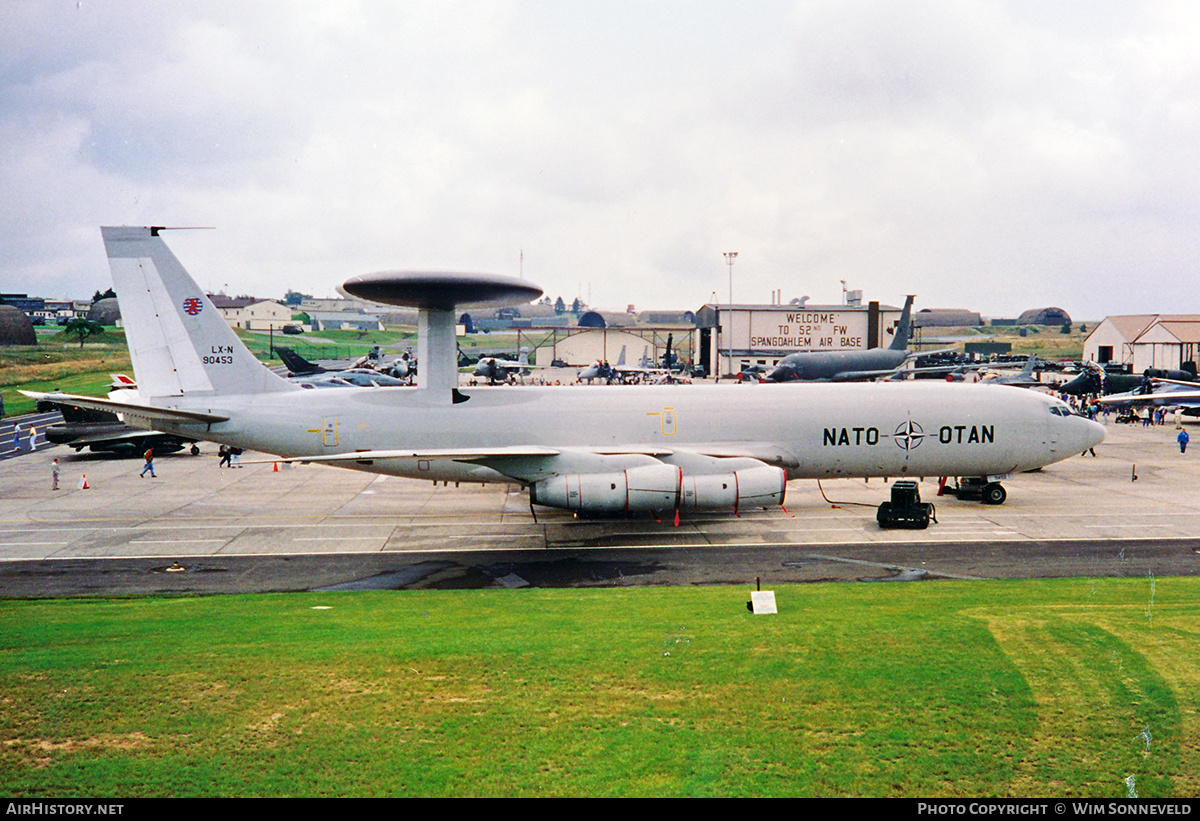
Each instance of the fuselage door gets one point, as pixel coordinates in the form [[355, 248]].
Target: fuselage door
[[329, 432], [668, 421]]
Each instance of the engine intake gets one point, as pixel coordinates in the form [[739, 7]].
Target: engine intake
[[756, 487], [661, 487], [648, 487]]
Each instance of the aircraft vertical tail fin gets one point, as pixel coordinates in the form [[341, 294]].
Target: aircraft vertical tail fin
[[178, 341], [296, 364], [904, 328], [621, 358]]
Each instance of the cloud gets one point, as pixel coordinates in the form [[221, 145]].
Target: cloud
[[993, 156]]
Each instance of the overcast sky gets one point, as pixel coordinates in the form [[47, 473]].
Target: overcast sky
[[994, 156]]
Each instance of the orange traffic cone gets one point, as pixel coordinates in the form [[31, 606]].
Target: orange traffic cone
[[83, 485], [275, 469]]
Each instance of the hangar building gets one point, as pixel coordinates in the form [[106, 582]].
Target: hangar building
[[733, 337], [1141, 341]]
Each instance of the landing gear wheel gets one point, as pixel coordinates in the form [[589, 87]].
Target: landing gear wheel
[[994, 494], [195, 450]]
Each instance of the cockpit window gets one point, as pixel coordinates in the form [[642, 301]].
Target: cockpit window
[[1060, 410]]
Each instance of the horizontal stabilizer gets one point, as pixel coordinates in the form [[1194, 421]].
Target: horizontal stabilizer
[[129, 409]]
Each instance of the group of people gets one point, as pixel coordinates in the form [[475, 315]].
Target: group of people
[[230, 456], [1151, 417], [16, 440]]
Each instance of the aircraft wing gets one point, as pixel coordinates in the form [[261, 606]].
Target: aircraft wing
[[1159, 397], [1164, 381], [131, 410], [859, 376], [535, 462], [455, 454], [510, 365]]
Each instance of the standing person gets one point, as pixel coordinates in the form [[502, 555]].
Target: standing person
[[225, 454], [16, 437], [32, 438], [149, 464], [54, 474], [236, 456], [1182, 439]]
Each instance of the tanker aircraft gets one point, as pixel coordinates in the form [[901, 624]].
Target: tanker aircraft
[[848, 366], [645, 449]]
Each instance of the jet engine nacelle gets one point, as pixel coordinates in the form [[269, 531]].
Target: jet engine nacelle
[[756, 487], [643, 488]]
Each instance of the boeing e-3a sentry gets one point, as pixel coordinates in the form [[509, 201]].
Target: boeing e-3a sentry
[[651, 448]]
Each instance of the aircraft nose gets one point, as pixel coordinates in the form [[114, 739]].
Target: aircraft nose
[[1090, 434]]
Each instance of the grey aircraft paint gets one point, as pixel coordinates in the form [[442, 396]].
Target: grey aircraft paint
[[847, 366], [641, 448]]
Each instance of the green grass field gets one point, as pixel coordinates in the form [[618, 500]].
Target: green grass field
[[1043, 688]]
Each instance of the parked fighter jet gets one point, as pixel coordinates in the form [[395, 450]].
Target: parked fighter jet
[[360, 374], [1094, 379], [599, 370], [1027, 378], [311, 375], [848, 366], [1162, 392], [609, 452], [102, 431], [497, 369]]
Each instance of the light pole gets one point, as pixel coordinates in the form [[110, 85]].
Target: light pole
[[730, 256]]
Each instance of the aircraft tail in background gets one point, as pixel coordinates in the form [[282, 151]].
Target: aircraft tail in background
[[904, 328]]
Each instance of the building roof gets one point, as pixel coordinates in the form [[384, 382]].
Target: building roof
[[946, 317], [1044, 316], [1132, 326], [226, 303], [1172, 330]]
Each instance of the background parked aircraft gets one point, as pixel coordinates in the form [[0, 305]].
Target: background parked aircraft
[[1027, 378], [1162, 393], [310, 374], [1094, 379], [848, 366], [102, 431], [497, 369]]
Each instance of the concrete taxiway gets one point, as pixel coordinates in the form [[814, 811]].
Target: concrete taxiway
[[201, 528]]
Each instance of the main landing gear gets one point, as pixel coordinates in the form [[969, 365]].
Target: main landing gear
[[990, 493]]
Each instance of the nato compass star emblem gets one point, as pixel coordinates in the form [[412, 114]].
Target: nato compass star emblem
[[909, 435]]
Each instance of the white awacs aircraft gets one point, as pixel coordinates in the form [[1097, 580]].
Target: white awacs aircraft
[[642, 449]]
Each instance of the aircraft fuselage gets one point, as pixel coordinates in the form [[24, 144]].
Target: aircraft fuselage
[[811, 431]]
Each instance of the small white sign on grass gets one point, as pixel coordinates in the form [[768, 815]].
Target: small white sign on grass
[[762, 602]]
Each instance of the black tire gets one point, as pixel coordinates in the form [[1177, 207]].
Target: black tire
[[994, 494]]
